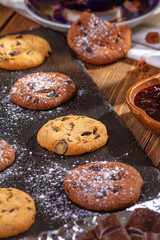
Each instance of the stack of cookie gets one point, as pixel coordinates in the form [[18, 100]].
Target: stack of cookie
[[99, 186]]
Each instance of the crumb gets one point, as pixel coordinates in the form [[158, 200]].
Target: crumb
[[142, 66], [152, 37]]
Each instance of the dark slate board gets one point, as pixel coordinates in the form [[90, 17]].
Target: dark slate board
[[40, 172]]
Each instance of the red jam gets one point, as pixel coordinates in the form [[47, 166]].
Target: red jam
[[148, 99]]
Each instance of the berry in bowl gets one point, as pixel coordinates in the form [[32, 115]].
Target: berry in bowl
[[93, 5], [143, 99]]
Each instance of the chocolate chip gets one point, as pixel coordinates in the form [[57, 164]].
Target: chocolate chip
[[96, 22], [96, 168], [1, 54], [18, 43], [115, 177], [29, 208], [86, 133], [4, 211], [61, 147], [74, 184], [28, 200], [12, 210], [35, 100], [30, 52], [14, 53], [55, 130], [116, 190], [69, 140], [31, 85], [69, 81], [64, 119], [97, 136], [29, 99], [72, 126], [1, 45], [88, 49], [19, 36], [95, 130], [53, 94], [85, 32], [117, 40], [79, 23], [6, 59]]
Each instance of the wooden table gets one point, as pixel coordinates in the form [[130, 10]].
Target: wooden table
[[113, 79]]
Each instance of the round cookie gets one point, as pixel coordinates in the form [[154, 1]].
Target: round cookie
[[99, 42], [22, 51], [103, 186], [7, 154], [17, 212], [72, 135], [40, 91]]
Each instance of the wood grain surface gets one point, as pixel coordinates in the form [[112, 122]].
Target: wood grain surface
[[113, 80]]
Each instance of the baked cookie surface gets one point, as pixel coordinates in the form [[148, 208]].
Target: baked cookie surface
[[17, 212], [18, 52], [7, 154], [99, 42], [72, 135], [42, 90], [103, 186]]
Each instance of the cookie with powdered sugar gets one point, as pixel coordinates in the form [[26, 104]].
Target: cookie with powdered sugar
[[42, 90], [103, 186], [99, 42], [7, 154]]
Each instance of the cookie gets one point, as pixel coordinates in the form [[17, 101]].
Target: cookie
[[7, 154], [23, 51], [72, 135], [17, 212], [99, 42], [103, 186], [40, 91]]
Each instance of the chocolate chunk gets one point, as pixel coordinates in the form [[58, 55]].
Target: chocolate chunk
[[96, 168], [95, 130], [19, 36], [61, 147], [86, 134], [74, 184], [97, 136], [28, 200], [29, 208], [96, 22], [29, 99], [18, 43], [69, 81], [116, 189], [1, 45], [88, 49], [3, 211], [35, 101], [55, 129], [79, 23], [117, 39], [12, 210], [64, 119], [14, 53], [53, 94], [115, 177], [85, 32], [87, 236], [72, 126], [30, 52]]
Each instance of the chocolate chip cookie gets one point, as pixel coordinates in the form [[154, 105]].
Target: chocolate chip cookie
[[7, 154], [72, 135], [103, 186], [23, 51], [17, 212], [99, 42], [40, 91]]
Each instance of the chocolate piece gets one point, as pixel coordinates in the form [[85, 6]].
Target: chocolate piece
[[143, 219], [87, 236], [86, 134], [61, 147], [14, 53]]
